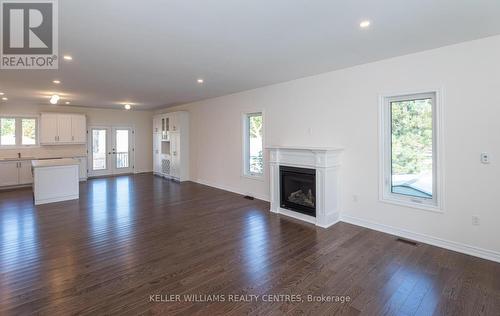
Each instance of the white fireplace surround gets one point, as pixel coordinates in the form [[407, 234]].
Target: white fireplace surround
[[326, 162]]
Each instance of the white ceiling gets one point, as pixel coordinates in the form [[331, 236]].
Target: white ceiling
[[150, 53]]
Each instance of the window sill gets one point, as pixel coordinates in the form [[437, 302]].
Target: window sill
[[414, 205], [253, 177]]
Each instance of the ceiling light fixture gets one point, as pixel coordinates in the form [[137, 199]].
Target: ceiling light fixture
[[54, 99], [4, 99], [57, 81], [67, 102], [364, 24], [200, 80], [1, 93], [67, 57], [127, 106]]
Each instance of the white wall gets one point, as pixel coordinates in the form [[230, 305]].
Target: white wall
[[140, 120], [340, 109]]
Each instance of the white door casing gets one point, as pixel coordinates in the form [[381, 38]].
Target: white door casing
[[107, 154]]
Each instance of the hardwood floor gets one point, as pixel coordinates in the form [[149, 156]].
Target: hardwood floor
[[132, 241]]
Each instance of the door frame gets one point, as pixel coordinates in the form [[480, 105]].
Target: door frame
[[110, 139]]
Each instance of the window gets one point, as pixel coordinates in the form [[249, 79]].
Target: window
[[18, 131], [8, 131], [410, 150], [253, 131], [28, 126]]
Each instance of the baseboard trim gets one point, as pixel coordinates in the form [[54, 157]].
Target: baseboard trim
[[434, 241], [220, 187], [438, 242]]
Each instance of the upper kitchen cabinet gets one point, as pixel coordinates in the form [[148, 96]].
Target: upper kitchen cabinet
[[63, 129], [79, 128]]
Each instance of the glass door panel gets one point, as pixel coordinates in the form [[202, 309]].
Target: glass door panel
[[122, 150], [99, 149]]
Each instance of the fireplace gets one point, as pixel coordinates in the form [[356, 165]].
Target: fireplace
[[298, 190], [316, 169]]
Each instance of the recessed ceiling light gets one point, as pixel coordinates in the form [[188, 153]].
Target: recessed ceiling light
[[68, 57], [57, 81], [1, 93], [364, 24], [67, 102], [127, 106], [54, 99], [200, 80], [4, 98]]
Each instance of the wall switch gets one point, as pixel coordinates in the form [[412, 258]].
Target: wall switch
[[475, 220], [355, 198], [485, 158]]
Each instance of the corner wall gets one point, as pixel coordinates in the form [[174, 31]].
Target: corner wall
[[340, 109]]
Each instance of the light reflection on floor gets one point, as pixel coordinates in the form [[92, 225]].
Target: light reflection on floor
[[98, 201], [255, 246], [123, 225], [18, 236], [111, 214]]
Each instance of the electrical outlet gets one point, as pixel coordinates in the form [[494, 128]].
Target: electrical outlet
[[475, 220], [485, 158]]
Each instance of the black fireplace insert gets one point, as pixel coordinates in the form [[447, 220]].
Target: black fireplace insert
[[298, 189]]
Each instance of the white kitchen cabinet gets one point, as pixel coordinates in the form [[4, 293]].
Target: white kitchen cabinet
[[156, 125], [171, 146], [174, 160], [156, 152], [82, 168], [174, 122], [62, 129], [78, 128], [15, 172], [48, 128], [10, 173], [25, 174]]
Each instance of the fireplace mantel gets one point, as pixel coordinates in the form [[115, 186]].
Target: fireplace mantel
[[326, 162]]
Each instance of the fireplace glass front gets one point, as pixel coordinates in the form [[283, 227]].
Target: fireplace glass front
[[298, 189]]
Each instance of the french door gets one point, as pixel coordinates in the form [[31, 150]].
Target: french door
[[111, 150]]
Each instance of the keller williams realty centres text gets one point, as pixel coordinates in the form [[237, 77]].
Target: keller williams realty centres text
[[247, 298]]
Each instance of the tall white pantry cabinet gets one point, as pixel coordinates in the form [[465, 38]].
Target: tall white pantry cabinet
[[171, 145]]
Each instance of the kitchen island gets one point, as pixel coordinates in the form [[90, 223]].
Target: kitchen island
[[55, 180]]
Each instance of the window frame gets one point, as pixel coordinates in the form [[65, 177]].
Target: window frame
[[246, 146], [436, 204], [19, 131]]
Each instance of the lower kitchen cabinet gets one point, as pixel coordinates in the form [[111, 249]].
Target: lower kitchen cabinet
[[15, 173]]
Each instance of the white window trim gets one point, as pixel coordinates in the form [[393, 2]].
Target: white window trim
[[18, 131], [244, 127], [385, 194]]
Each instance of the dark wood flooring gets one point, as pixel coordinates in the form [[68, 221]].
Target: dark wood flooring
[[131, 243]]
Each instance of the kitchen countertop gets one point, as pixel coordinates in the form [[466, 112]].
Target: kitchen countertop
[[54, 162], [37, 158]]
